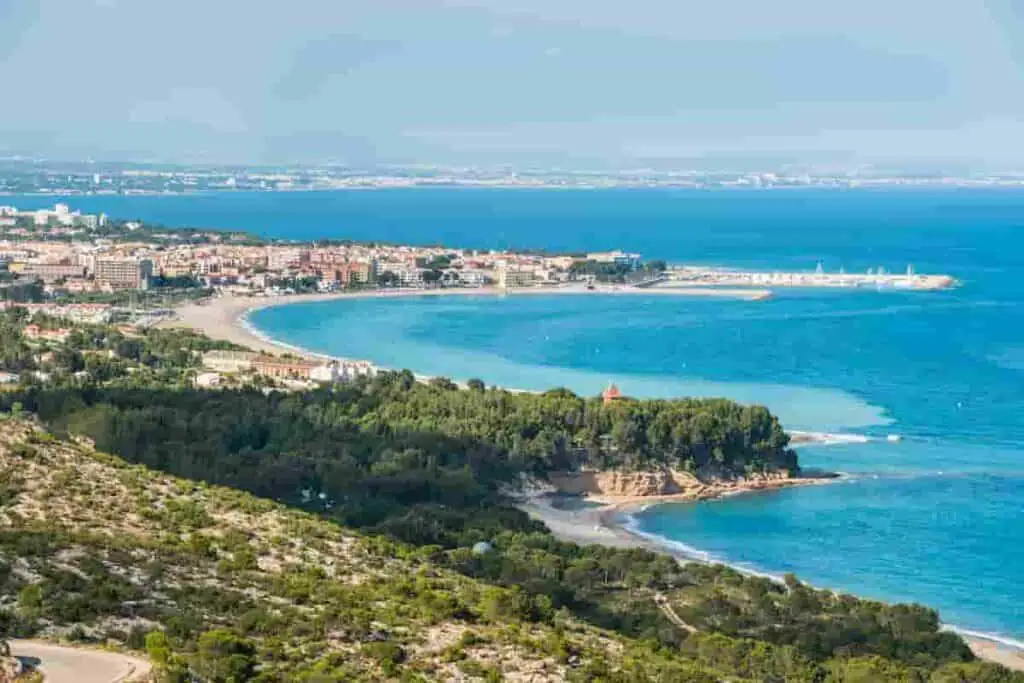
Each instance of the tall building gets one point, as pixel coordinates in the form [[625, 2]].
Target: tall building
[[355, 272], [124, 273], [515, 277]]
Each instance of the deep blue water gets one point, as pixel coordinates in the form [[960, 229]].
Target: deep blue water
[[934, 518]]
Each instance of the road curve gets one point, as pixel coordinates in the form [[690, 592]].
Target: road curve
[[60, 664]]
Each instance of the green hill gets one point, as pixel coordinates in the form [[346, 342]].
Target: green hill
[[220, 585]]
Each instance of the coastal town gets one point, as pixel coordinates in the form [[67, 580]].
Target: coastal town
[[90, 269], [490, 341], [68, 253]]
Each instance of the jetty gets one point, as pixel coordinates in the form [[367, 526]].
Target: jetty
[[702, 276]]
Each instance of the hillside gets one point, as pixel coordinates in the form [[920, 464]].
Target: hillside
[[96, 551], [221, 584], [328, 534]]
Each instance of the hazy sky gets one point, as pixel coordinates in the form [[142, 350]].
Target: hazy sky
[[547, 82]]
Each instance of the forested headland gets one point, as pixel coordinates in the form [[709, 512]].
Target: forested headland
[[390, 443], [400, 482]]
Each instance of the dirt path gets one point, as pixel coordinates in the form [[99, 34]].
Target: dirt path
[[60, 664], [666, 608]]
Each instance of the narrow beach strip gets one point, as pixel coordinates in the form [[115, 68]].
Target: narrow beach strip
[[224, 318], [603, 524]]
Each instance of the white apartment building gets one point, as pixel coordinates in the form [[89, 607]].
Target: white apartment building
[[512, 276]]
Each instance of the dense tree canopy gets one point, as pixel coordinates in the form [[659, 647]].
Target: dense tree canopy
[[424, 470]]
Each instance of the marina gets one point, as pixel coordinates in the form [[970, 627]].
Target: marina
[[695, 276]]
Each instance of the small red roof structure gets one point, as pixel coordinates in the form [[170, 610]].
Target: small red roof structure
[[612, 393]]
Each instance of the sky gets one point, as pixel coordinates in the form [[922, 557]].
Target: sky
[[530, 83]]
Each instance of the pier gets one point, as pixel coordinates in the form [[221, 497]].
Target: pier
[[695, 276]]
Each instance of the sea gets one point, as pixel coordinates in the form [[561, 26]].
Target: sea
[[934, 517]]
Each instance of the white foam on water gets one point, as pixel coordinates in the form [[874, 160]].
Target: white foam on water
[[632, 524], [683, 551], [991, 637]]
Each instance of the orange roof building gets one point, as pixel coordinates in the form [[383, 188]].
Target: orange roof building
[[612, 393]]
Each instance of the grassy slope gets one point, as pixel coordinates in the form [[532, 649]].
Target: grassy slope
[[94, 549], [91, 548]]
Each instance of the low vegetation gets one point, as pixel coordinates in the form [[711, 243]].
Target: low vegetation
[[364, 532], [216, 584]]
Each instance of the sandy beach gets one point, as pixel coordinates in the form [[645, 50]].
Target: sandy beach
[[222, 317], [992, 651], [602, 524]]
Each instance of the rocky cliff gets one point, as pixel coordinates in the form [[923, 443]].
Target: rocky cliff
[[662, 482]]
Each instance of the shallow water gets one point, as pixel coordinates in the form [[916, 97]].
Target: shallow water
[[933, 518]]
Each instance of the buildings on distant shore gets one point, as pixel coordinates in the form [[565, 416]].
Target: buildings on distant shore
[[68, 255], [60, 215], [83, 262]]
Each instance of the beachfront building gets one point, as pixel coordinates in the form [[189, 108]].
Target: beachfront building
[[229, 361], [59, 215], [283, 368], [470, 277], [327, 374], [511, 276], [618, 258], [409, 277]]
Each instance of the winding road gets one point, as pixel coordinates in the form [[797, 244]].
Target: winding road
[[60, 664]]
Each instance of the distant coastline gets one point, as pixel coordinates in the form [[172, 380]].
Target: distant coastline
[[122, 183]]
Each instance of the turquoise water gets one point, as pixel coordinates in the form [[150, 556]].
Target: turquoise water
[[934, 518]]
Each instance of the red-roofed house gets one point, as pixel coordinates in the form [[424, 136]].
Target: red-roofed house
[[611, 394]]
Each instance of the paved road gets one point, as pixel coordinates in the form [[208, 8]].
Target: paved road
[[79, 665]]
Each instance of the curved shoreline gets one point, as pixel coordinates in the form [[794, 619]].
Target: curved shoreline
[[225, 318], [604, 525]]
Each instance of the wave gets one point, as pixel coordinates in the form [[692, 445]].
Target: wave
[[246, 324], [826, 438], [684, 551], [632, 525], [982, 635]]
